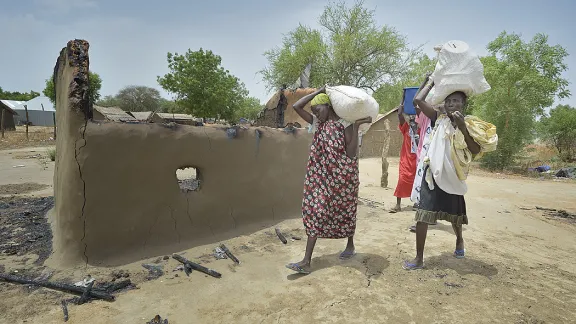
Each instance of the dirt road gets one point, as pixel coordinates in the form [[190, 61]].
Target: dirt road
[[519, 269]]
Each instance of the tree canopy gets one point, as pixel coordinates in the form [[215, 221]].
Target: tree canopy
[[559, 128], [249, 109], [349, 49], [95, 86], [526, 78], [18, 96], [138, 98], [203, 88], [390, 93]]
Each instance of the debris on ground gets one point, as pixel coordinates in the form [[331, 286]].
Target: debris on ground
[[297, 238], [155, 271], [280, 236], [65, 310], [191, 265], [24, 227], [453, 285], [551, 212], [219, 253], [84, 297], [158, 320], [85, 282], [60, 286], [229, 253], [566, 173], [45, 275], [119, 274], [541, 169]]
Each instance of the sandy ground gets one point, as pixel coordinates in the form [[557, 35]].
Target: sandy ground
[[26, 171], [519, 267]]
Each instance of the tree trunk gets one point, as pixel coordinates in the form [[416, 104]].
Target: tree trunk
[[385, 149], [27, 121], [54, 119], [2, 122]]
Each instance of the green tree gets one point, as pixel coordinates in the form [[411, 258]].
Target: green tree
[[525, 77], [203, 88], [108, 101], [170, 106], [138, 98], [249, 109], [350, 49], [559, 128], [390, 93], [95, 86], [18, 96]]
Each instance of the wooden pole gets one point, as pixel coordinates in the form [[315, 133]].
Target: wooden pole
[[27, 121], [54, 119], [2, 122]]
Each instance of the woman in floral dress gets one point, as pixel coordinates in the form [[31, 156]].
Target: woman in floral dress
[[331, 183]]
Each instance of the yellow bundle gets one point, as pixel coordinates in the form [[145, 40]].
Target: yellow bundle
[[483, 133]]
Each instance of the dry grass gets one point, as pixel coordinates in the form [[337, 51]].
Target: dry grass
[[37, 136]]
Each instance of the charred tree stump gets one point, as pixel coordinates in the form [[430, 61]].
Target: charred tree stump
[[196, 266]]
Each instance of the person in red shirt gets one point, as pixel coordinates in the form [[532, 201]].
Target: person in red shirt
[[407, 167]]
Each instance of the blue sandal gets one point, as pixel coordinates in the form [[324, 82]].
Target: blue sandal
[[347, 255], [412, 266], [297, 268], [459, 254]]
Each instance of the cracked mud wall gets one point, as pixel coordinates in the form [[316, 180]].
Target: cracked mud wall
[[71, 83], [117, 195]]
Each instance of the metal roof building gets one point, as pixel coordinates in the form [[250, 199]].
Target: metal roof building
[[41, 112]]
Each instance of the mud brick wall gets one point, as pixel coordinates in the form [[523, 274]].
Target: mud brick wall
[[117, 196]]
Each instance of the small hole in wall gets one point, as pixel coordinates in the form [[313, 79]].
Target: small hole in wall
[[188, 179]]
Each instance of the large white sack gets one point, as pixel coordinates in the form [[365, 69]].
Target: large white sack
[[458, 69], [352, 103]]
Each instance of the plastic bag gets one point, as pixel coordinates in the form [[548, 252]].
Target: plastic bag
[[458, 69], [352, 103], [441, 163]]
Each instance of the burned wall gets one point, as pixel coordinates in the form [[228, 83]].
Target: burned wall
[[117, 196], [269, 116]]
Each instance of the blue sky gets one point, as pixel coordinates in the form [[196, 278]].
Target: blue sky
[[129, 39]]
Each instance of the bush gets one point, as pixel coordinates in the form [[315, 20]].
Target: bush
[[52, 154]]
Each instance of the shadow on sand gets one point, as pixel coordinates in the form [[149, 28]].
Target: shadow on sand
[[369, 264], [463, 267], [440, 226]]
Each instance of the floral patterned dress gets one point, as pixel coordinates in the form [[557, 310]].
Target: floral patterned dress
[[331, 185]]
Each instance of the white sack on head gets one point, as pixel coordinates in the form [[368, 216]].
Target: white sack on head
[[458, 69], [352, 103]]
